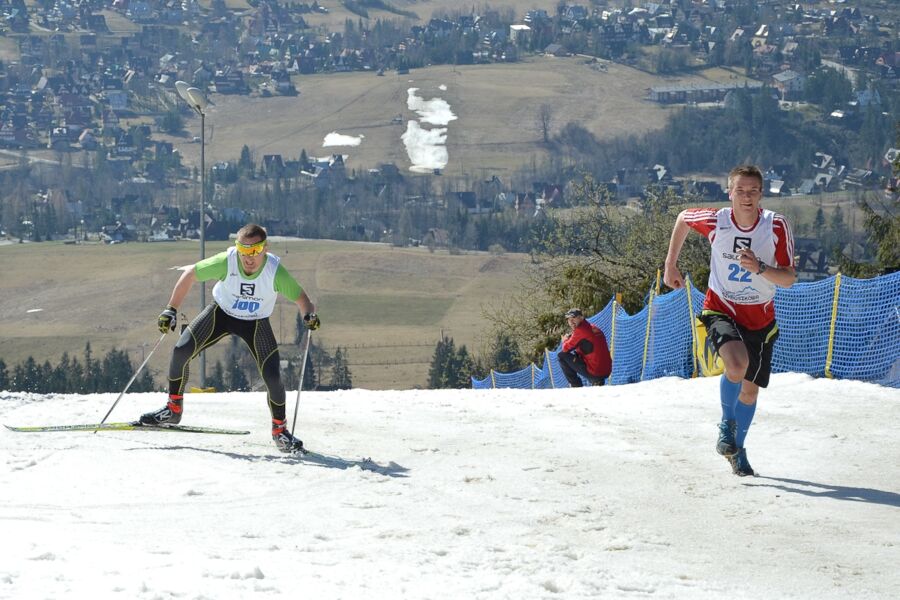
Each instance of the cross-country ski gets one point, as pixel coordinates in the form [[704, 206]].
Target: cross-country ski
[[133, 426]]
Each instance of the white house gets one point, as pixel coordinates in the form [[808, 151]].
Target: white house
[[788, 83]]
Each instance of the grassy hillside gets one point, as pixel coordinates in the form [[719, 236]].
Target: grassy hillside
[[387, 306], [497, 105], [425, 9]]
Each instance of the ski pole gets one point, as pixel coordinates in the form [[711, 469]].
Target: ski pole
[[300, 385], [133, 377]]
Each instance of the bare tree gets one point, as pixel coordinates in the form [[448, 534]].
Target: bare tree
[[544, 121]]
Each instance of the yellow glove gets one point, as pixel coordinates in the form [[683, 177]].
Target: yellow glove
[[167, 319]]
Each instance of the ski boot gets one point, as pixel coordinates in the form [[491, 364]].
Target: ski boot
[[170, 414], [283, 439]]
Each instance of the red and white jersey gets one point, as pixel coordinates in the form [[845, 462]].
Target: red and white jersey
[[744, 295]]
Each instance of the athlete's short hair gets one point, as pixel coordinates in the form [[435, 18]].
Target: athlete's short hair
[[252, 230], [745, 170]]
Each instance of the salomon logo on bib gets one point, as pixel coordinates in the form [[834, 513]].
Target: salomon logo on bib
[[248, 305]]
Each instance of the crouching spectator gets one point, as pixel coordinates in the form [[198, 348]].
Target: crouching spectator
[[584, 352]]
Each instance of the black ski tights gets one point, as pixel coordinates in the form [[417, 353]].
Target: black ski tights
[[212, 325]]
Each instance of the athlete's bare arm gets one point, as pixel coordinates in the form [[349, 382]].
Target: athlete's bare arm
[[671, 275], [182, 287]]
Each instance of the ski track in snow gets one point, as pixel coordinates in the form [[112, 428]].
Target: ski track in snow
[[611, 492]]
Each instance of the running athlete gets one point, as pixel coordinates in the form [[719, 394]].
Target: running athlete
[[752, 253], [249, 281]]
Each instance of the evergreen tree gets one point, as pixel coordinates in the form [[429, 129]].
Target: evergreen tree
[[18, 383], [450, 368], [340, 373], [828, 88], [217, 378], [26, 376], [819, 223], [808, 57], [437, 373], [838, 228], [504, 354], [4, 376], [461, 369], [237, 380], [310, 374], [91, 372], [60, 376], [245, 164], [171, 122], [144, 383], [75, 378], [116, 371], [45, 373]]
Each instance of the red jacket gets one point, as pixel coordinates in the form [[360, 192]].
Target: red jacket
[[595, 352]]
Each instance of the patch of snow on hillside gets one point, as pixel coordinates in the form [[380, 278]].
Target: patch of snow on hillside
[[426, 146], [339, 139]]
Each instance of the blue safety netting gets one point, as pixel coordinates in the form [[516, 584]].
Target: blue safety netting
[[867, 331], [518, 379], [803, 312], [670, 343], [857, 338]]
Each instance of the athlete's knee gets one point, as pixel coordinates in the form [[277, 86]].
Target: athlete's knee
[[734, 357], [749, 393], [748, 398], [182, 353]]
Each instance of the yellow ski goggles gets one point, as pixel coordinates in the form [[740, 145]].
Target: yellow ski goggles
[[251, 249]]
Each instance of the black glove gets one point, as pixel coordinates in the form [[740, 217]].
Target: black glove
[[312, 321], [167, 319]]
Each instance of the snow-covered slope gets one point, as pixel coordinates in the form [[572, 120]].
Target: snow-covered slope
[[612, 492]]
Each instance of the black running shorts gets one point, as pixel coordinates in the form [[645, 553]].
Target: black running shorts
[[759, 343]]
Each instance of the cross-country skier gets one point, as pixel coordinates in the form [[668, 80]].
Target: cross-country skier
[[752, 253], [249, 280], [584, 351]]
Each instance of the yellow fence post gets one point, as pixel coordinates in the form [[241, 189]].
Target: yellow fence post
[[834, 307], [615, 312], [549, 368], [493, 381], [649, 320], [690, 302], [612, 342]]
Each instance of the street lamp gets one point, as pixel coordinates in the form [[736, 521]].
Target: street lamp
[[197, 101]]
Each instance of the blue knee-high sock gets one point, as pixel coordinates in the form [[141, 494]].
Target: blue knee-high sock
[[743, 414], [728, 393]]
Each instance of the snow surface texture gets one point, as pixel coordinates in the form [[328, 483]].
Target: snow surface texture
[[612, 492]]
